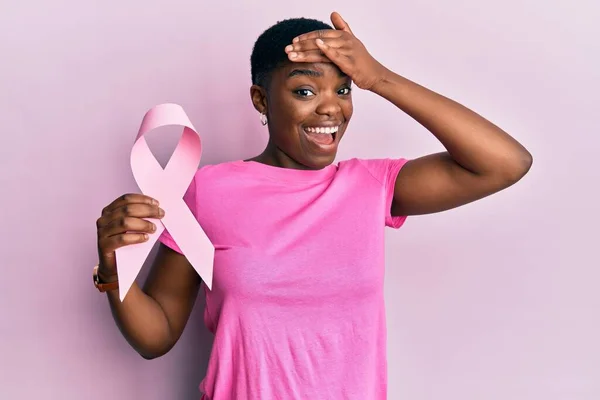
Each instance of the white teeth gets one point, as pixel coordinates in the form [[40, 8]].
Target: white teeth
[[327, 130]]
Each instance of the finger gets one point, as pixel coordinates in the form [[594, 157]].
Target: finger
[[129, 198], [339, 23], [311, 44], [331, 53], [127, 224], [138, 210], [320, 34], [110, 244], [310, 56]]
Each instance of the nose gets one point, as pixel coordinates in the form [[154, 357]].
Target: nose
[[329, 105]]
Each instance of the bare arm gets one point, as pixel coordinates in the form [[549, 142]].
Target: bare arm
[[481, 159], [151, 318]]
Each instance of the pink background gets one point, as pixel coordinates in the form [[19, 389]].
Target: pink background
[[497, 300]]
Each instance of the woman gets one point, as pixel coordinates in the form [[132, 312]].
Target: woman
[[297, 300]]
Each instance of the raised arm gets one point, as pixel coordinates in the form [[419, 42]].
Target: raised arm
[[480, 158]]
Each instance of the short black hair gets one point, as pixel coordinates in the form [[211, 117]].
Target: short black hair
[[268, 52]]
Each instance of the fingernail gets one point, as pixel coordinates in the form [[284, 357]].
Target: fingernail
[[161, 212], [295, 40], [319, 41], [293, 55], [154, 202], [145, 236], [153, 228], [289, 48]]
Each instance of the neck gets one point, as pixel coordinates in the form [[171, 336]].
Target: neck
[[274, 156]]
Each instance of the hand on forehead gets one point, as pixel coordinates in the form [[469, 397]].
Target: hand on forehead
[[308, 47], [340, 47], [341, 27]]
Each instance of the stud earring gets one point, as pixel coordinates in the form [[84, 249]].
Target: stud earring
[[263, 119]]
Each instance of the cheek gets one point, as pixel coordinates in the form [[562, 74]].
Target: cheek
[[347, 109], [287, 114], [283, 108], [298, 110], [291, 113]]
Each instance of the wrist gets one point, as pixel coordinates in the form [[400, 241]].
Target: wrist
[[104, 282], [384, 79], [107, 277]]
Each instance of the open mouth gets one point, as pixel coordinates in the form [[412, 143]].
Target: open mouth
[[322, 135]]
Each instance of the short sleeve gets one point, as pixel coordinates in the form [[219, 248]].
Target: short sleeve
[[386, 171], [190, 199]]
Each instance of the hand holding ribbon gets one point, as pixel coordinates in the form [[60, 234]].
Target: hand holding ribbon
[[167, 186]]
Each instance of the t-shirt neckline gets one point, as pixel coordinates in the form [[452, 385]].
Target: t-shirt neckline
[[287, 174]]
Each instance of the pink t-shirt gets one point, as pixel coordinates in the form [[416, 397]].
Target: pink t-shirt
[[297, 304]]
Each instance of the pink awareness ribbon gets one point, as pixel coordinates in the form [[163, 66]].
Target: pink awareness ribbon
[[168, 186]]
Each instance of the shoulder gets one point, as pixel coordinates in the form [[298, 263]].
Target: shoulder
[[214, 179], [380, 169], [210, 172]]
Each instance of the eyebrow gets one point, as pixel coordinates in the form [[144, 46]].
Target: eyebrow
[[309, 72]]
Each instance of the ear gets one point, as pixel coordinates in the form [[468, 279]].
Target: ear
[[258, 94]]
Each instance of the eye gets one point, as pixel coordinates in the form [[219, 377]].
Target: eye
[[304, 92], [344, 91]]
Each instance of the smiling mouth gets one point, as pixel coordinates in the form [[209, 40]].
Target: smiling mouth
[[322, 135]]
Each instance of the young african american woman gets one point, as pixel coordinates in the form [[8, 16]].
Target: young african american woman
[[297, 305]]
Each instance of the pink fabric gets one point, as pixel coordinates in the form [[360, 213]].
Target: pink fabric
[[297, 306]]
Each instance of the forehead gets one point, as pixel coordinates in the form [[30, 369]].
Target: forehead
[[291, 70]]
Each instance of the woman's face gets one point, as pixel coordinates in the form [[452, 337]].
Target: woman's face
[[308, 107]]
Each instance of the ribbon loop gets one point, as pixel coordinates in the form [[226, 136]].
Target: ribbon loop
[[168, 186]]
